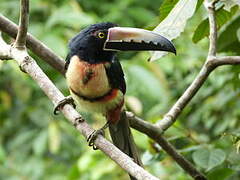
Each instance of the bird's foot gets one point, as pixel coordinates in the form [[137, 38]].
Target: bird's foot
[[93, 136], [66, 100]]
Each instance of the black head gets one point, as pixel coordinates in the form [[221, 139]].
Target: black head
[[89, 43], [99, 42]]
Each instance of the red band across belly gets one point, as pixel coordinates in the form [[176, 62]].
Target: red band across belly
[[110, 96], [113, 115]]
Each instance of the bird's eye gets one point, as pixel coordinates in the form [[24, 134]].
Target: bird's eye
[[101, 35]]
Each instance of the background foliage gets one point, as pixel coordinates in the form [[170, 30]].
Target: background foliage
[[34, 144]]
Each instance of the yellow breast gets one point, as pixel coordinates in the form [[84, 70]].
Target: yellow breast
[[89, 80]]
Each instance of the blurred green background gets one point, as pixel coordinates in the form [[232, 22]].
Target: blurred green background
[[35, 144]]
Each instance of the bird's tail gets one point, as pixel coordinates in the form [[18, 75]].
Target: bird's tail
[[122, 138]]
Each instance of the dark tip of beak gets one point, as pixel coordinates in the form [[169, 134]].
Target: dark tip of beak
[[171, 48]]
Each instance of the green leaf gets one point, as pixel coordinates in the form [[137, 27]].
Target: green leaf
[[228, 4], [51, 39], [147, 158], [174, 24], [25, 138], [201, 31], [54, 137], [150, 86], [2, 154], [228, 39], [220, 174], [238, 34], [69, 17], [209, 158], [234, 159], [199, 3], [166, 8], [222, 17], [140, 14], [40, 143], [134, 104], [73, 173], [168, 5]]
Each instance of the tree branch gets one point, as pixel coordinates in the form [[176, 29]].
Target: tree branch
[[153, 132], [226, 60], [34, 45], [23, 24], [207, 68], [210, 6], [181, 103]]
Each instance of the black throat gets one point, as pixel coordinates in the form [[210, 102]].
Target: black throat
[[95, 56]]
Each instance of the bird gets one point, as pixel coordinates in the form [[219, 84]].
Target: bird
[[96, 80]]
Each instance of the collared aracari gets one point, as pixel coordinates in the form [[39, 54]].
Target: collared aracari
[[95, 77]]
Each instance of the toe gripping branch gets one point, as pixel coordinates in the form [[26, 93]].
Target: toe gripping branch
[[67, 100], [93, 136]]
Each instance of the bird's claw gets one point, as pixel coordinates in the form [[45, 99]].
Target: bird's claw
[[67, 100], [93, 136]]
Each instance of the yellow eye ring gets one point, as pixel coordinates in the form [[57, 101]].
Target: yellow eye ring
[[101, 35]]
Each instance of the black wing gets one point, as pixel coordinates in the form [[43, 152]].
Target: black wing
[[116, 76]]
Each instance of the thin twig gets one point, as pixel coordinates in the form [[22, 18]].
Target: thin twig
[[181, 103], [23, 24], [36, 46], [226, 60], [177, 108], [153, 132], [207, 68], [210, 6]]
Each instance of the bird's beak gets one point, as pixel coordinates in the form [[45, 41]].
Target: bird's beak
[[134, 39]]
